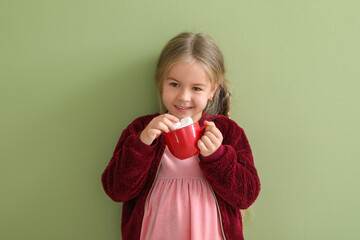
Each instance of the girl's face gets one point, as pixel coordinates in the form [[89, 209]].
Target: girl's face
[[186, 90]]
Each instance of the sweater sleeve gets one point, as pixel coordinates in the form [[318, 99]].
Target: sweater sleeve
[[230, 170], [127, 170]]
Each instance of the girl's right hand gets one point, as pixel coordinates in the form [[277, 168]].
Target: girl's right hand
[[159, 125]]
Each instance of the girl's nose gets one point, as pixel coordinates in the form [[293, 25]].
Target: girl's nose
[[184, 96]]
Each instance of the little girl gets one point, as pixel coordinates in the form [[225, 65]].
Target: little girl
[[200, 197]]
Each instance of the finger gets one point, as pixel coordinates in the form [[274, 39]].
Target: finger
[[212, 137], [172, 118], [214, 130], [163, 123], [201, 146], [154, 133], [207, 142], [163, 127], [209, 123], [169, 124]]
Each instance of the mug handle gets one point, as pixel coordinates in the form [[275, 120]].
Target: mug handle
[[202, 129]]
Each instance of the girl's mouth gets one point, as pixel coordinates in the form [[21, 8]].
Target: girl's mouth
[[182, 108]]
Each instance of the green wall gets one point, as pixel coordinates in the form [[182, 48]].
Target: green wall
[[75, 73]]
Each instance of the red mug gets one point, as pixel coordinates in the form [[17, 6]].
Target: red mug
[[182, 142]]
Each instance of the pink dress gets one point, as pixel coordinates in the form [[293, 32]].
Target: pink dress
[[181, 205]]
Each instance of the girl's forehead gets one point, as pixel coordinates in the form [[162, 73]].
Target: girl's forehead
[[187, 71]]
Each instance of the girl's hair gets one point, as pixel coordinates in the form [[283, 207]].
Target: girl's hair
[[204, 51]]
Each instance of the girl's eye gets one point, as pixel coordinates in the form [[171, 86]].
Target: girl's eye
[[197, 89], [174, 84]]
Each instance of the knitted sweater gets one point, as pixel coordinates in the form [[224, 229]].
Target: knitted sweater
[[230, 172]]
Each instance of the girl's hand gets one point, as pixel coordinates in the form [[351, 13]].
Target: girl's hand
[[159, 125], [211, 140]]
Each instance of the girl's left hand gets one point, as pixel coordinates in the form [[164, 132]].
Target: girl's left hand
[[211, 140]]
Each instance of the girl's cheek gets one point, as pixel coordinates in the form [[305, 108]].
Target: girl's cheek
[[202, 98]]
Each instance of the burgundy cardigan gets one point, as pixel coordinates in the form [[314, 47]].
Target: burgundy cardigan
[[230, 172]]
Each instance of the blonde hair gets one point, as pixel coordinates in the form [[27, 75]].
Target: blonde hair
[[203, 50]]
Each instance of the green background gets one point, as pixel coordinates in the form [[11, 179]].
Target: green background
[[74, 74]]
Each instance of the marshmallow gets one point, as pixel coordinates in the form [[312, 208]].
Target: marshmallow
[[183, 123]]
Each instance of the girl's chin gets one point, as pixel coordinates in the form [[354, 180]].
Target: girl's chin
[[180, 116]]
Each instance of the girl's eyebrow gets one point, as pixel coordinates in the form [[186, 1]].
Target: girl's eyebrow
[[195, 84], [171, 78], [200, 84]]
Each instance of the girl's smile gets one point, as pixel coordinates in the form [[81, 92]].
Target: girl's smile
[[181, 108], [186, 90]]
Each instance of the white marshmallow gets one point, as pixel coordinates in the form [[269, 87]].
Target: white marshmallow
[[183, 123], [177, 125]]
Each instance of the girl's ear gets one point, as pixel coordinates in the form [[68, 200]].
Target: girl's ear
[[213, 91], [215, 87]]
